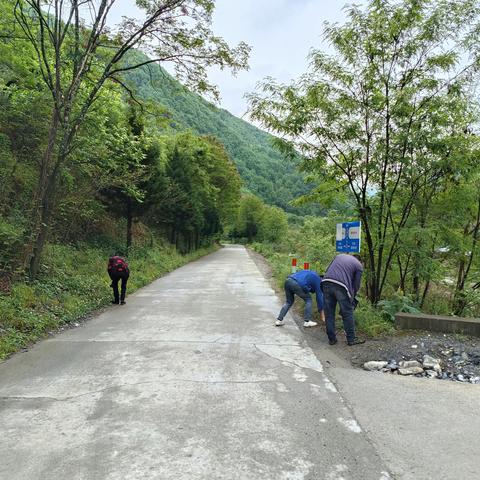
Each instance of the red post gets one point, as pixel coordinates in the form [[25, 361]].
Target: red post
[[306, 266], [294, 265]]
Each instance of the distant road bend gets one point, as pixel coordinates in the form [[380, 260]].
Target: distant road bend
[[191, 380]]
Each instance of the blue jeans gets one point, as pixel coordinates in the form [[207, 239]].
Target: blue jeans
[[292, 288], [333, 294]]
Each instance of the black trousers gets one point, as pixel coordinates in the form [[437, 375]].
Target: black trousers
[[115, 279]]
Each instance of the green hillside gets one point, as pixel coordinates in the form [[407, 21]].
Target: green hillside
[[263, 169]]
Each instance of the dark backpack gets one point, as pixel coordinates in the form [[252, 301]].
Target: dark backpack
[[117, 266]]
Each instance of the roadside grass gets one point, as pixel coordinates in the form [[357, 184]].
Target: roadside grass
[[370, 321], [73, 283]]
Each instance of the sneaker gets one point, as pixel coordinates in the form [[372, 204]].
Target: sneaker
[[332, 342], [310, 324], [356, 341], [114, 302], [279, 323], [123, 303]]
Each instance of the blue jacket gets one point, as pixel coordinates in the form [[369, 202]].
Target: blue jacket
[[346, 271], [310, 283]]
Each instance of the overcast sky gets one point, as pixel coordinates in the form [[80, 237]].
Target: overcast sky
[[280, 32]]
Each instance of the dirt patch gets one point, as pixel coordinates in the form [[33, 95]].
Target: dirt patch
[[458, 356]]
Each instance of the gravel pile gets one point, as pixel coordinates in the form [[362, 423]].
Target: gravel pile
[[444, 357], [431, 367]]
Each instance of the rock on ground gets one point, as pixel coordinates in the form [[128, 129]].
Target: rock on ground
[[410, 364], [410, 370], [373, 365], [431, 363]]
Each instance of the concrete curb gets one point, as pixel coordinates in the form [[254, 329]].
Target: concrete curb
[[438, 323]]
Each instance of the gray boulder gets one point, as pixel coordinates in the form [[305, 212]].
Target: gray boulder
[[410, 370], [374, 365], [409, 364], [431, 363]]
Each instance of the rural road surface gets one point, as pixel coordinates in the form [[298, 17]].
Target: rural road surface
[[191, 380]]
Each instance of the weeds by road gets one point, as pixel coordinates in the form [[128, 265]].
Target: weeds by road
[[74, 282]]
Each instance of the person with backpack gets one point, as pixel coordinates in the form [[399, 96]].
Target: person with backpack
[[118, 270], [302, 283]]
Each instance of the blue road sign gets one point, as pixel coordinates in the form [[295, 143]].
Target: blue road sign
[[349, 237]]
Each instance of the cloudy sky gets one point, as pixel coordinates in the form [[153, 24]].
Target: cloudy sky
[[281, 33]]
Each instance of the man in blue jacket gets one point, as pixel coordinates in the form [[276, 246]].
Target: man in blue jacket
[[340, 285], [302, 283]]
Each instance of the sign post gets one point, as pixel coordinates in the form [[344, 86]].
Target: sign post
[[349, 237]]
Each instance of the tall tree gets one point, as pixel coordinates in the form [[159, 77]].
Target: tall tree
[[196, 193], [78, 53], [464, 237], [375, 117], [249, 217]]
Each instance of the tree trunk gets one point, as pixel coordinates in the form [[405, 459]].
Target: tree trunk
[[403, 270], [372, 282], [419, 244], [129, 224], [425, 292], [416, 287], [458, 298], [416, 269], [43, 202], [465, 265], [47, 205]]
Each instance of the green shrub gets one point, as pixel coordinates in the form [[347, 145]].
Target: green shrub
[[371, 320], [395, 304], [11, 238]]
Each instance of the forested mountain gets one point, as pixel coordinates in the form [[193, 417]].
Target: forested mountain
[[264, 170]]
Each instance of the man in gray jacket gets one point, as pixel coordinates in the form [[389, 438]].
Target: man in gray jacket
[[340, 284]]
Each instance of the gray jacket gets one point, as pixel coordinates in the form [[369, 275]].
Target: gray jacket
[[347, 271]]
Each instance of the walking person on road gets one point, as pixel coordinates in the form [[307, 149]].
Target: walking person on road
[[302, 283], [340, 285], [118, 271]]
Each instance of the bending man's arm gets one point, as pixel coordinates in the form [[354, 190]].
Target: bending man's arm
[[357, 281], [318, 294]]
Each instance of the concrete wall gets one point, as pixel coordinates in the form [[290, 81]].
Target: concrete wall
[[438, 323]]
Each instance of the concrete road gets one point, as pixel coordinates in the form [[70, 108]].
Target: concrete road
[[424, 429], [191, 380]]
